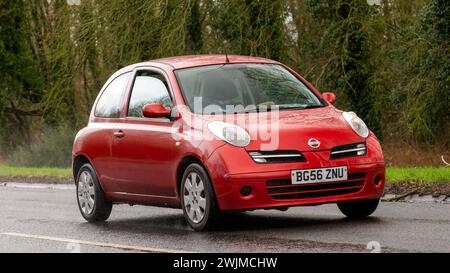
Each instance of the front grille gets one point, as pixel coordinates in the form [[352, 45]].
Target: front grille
[[349, 150], [282, 189], [279, 156]]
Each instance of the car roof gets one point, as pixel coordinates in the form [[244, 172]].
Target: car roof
[[180, 62]]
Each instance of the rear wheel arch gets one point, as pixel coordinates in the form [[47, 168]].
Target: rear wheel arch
[[78, 162]]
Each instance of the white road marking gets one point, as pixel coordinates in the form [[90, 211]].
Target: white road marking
[[38, 186], [99, 244]]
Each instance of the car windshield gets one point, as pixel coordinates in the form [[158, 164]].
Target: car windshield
[[237, 88]]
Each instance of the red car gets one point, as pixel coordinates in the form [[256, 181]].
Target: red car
[[213, 133]]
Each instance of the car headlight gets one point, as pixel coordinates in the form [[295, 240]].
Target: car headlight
[[230, 133], [356, 123]]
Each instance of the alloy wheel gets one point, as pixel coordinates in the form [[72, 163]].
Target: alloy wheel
[[194, 197], [86, 193]]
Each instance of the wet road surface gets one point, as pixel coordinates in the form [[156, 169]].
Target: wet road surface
[[48, 220]]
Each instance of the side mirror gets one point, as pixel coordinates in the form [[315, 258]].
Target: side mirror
[[330, 97], [155, 110]]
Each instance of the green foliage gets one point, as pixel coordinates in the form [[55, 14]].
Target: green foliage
[[20, 81], [194, 29], [382, 61], [429, 102], [52, 149], [346, 40], [253, 28]]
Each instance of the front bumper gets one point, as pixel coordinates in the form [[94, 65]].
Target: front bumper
[[231, 170]]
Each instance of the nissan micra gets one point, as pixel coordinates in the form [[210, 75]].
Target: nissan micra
[[216, 133]]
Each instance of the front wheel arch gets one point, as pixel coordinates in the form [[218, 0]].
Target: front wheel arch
[[184, 163], [182, 166]]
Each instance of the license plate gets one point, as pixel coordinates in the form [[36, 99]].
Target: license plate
[[319, 175]]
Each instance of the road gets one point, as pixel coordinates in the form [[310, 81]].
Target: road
[[47, 220]]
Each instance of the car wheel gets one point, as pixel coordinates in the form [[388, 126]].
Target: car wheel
[[359, 208], [197, 198], [93, 204]]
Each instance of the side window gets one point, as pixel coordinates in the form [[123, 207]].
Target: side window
[[149, 87], [110, 103]]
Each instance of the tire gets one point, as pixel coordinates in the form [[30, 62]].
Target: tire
[[198, 203], [92, 202], [359, 209]]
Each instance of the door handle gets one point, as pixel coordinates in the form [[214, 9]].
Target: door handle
[[119, 134]]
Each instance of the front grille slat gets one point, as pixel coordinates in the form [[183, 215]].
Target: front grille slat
[[314, 191], [349, 150], [284, 189], [278, 156], [314, 195]]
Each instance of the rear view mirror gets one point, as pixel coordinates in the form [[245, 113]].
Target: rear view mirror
[[155, 110], [329, 97]]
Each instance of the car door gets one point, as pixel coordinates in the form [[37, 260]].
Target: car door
[[105, 117], [143, 148]]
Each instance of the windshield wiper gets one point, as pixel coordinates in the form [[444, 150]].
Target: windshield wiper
[[313, 106], [299, 107], [268, 108], [256, 108]]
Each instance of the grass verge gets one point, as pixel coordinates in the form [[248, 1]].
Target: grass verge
[[418, 174], [35, 175], [37, 172]]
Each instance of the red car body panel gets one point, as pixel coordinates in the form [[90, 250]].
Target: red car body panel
[[137, 160]]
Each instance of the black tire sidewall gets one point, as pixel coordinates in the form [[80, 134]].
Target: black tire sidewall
[[211, 207], [359, 208], [101, 205]]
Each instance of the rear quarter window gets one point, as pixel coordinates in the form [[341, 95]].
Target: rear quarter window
[[110, 103]]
